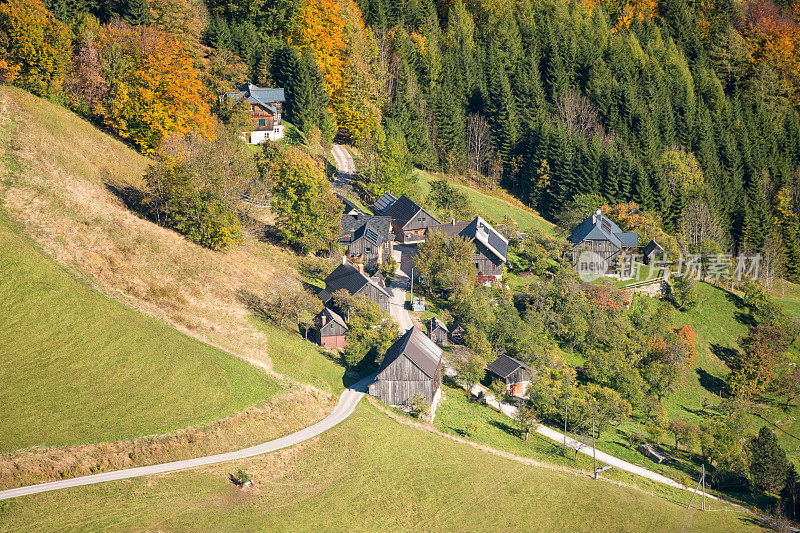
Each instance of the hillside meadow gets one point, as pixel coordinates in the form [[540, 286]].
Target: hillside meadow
[[369, 473]]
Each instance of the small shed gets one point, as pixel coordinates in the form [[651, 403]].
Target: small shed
[[412, 367], [515, 374], [437, 331], [457, 334], [331, 329], [651, 251]]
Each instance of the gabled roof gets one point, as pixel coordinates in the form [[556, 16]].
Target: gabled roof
[[504, 366], [376, 229], [403, 210], [349, 278], [435, 323], [600, 227], [651, 247], [476, 230], [383, 203], [349, 207], [262, 96], [419, 349], [332, 316]]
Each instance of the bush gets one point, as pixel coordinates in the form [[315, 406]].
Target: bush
[[419, 405], [240, 478]]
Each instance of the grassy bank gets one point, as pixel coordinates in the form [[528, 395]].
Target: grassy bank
[[79, 367], [496, 206]]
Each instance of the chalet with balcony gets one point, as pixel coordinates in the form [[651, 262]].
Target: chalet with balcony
[[266, 106], [410, 222], [368, 239]]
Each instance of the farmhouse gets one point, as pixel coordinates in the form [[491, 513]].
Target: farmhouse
[[437, 331], [491, 248], [355, 282], [515, 374], [265, 112], [409, 220], [367, 239], [652, 251], [601, 236], [412, 367], [330, 329]]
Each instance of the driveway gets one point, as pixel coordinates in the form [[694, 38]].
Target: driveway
[[347, 404], [400, 284], [344, 164]]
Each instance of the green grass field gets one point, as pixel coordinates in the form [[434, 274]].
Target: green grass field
[[78, 367], [294, 357], [368, 474], [495, 207]]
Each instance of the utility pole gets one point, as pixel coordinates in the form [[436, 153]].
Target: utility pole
[[594, 450], [703, 507], [411, 284]]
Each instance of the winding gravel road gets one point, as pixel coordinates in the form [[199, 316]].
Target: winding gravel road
[[347, 404]]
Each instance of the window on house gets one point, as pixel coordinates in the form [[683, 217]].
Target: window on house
[[262, 122], [368, 249]]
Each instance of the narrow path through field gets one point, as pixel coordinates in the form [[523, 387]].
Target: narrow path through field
[[347, 404]]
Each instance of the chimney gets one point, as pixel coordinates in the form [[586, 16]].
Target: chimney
[[344, 259], [360, 267], [324, 318]]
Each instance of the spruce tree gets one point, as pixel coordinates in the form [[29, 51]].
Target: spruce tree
[[768, 463]]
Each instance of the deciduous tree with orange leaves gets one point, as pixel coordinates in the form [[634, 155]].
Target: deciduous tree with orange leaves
[[321, 31], [34, 47], [154, 88]]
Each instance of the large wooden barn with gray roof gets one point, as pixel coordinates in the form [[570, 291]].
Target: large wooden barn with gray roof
[[410, 222], [600, 235], [411, 367], [355, 282]]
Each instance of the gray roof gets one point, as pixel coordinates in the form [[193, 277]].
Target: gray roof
[[600, 227], [383, 203], [376, 229], [651, 247], [435, 323], [419, 349], [333, 317], [504, 366], [262, 96], [403, 210], [477, 230], [349, 278], [349, 207]]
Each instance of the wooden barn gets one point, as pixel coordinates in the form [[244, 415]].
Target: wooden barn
[[330, 329], [652, 251], [600, 235], [355, 282], [437, 331], [491, 248], [411, 367], [515, 374], [410, 222]]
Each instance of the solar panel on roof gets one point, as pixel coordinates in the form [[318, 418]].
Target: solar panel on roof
[[606, 225], [372, 236]]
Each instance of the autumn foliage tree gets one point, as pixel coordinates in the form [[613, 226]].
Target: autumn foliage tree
[[154, 89], [34, 47], [307, 210]]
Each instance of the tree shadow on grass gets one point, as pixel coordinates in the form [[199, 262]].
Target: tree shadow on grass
[[712, 383], [131, 197], [504, 427], [729, 356]]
